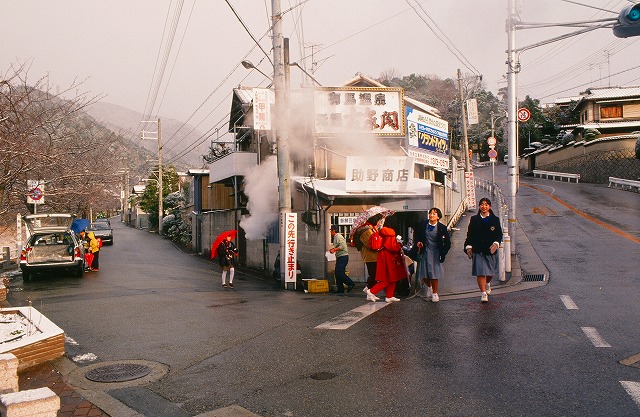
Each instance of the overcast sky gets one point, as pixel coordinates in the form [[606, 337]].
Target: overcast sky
[[119, 46]]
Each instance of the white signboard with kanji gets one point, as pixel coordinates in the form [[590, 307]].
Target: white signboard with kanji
[[261, 109], [379, 173], [471, 190], [375, 110]]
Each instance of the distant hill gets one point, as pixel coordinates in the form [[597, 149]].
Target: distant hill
[[176, 137]]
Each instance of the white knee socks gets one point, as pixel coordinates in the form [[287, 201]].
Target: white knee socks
[[231, 272], [224, 277]]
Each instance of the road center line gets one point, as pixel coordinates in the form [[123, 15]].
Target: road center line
[[348, 319], [586, 216], [595, 338], [568, 302], [633, 389]]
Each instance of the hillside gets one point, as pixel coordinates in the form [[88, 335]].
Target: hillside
[[176, 136]]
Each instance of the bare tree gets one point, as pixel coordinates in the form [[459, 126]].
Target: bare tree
[[48, 137]]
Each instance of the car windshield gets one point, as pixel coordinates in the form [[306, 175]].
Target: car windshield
[[98, 226]]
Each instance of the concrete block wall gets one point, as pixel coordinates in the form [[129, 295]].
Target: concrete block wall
[[40, 402], [8, 373]]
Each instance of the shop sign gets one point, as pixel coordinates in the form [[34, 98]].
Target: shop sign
[[379, 173], [375, 110], [427, 132]]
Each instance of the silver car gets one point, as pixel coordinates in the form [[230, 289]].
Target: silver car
[[51, 246]]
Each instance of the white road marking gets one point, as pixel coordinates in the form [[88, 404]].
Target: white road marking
[[568, 302], [595, 337], [348, 319], [633, 389]]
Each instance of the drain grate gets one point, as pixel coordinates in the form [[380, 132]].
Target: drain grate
[[118, 373], [534, 277]]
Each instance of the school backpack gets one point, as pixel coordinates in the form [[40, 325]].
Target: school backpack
[[375, 241]]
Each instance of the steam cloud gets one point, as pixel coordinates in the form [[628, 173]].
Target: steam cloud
[[261, 188]]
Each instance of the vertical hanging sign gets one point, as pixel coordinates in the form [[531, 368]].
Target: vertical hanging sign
[[261, 109], [471, 190], [291, 246], [472, 111]]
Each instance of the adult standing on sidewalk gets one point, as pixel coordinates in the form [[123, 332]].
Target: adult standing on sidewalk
[[342, 259], [434, 242], [481, 245]]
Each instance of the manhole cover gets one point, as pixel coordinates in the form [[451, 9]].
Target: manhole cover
[[322, 376], [118, 373]]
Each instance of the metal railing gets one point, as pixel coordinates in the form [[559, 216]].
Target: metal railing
[[553, 175], [623, 183]]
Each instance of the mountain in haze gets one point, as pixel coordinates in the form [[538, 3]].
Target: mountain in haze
[[176, 136]]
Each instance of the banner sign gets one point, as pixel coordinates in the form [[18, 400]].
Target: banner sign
[[376, 110], [378, 173], [428, 139], [261, 109], [291, 245]]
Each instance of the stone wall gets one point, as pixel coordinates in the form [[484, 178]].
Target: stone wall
[[595, 161]]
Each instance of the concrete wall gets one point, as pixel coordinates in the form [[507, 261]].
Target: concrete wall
[[595, 160]]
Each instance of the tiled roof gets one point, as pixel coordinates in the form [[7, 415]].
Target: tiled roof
[[611, 92]]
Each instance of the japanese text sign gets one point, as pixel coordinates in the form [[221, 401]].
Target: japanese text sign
[[379, 173], [376, 110]]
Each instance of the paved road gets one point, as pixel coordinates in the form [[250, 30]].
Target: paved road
[[525, 353]]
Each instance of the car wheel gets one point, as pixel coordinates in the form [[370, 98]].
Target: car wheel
[[80, 271]]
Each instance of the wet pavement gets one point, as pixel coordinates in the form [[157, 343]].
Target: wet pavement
[[458, 283]]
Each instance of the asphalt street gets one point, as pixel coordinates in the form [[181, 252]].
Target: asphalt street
[[532, 350]]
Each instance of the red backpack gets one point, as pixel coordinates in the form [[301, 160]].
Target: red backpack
[[375, 241]]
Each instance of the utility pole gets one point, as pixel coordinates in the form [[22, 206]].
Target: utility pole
[[512, 68], [465, 143], [160, 190], [281, 93]]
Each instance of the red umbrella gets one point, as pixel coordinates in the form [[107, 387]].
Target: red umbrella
[[222, 236]]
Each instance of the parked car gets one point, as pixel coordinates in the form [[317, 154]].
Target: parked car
[[102, 230], [103, 220], [52, 246]]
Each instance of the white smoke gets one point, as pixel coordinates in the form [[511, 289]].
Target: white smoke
[[261, 188]]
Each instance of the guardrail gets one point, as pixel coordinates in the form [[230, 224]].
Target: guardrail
[[553, 175], [624, 184]]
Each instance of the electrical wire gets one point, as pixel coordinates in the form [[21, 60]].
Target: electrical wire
[[449, 44]]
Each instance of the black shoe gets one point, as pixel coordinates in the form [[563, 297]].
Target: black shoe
[[230, 285], [224, 285], [350, 287]]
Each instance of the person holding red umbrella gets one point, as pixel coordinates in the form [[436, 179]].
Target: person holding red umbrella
[[227, 254]]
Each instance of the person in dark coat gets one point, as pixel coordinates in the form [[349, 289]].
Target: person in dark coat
[[434, 242], [481, 245], [227, 256]]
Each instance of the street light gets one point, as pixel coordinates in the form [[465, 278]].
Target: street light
[[249, 65]]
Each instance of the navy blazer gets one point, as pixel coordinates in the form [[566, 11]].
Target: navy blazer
[[481, 235], [444, 240]]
